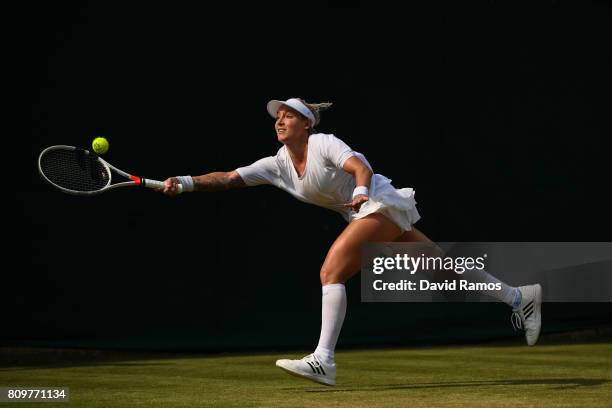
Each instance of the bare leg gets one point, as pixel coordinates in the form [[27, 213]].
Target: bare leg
[[508, 294], [341, 263], [525, 300], [343, 260]]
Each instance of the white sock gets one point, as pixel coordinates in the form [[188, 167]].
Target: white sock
[[332, 317], [508, 294]]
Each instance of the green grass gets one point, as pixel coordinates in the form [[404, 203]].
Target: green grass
[[577, 375]]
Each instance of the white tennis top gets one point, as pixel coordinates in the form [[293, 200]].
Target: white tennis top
[[324, 182]]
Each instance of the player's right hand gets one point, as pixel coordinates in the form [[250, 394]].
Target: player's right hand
[[170, 186]]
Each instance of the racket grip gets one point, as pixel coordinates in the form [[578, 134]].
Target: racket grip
[[159, 185]]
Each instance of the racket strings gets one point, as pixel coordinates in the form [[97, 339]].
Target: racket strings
[[76, 169]]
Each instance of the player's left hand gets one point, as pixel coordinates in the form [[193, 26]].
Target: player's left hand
[[358, 200]]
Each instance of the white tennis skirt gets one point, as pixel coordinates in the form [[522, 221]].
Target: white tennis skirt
[[397, 204]]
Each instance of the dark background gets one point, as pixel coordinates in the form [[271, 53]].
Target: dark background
[[497, 114]]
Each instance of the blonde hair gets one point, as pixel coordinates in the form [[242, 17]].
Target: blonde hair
[[316, 109]]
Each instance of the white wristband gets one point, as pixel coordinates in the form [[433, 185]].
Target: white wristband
[[187, 183], [360, 190]]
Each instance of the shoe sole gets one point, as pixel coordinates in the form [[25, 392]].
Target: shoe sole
[[306, 376], [538, 304]]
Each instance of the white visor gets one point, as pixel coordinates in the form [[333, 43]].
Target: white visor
[[294, 103]]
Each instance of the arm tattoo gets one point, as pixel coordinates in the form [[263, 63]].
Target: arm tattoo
[[218, 181]]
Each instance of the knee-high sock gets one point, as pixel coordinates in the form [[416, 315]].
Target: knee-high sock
[[508, 294], [332, 316]]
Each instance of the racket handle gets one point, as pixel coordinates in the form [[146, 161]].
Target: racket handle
[[159, 185]]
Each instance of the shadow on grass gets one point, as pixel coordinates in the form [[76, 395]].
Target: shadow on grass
[[557, 383], [89, 364], [40, 358]]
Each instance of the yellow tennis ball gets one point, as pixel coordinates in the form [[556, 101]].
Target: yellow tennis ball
[[100, 145]]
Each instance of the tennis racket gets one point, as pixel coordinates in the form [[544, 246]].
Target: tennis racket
[[80, 172]]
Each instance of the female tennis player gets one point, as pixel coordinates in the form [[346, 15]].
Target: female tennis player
[[321, 169]]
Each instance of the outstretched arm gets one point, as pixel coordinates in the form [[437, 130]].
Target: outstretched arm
[[216, 181]]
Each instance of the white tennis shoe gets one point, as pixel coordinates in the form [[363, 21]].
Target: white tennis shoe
[[527, 315], [311, 368]]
